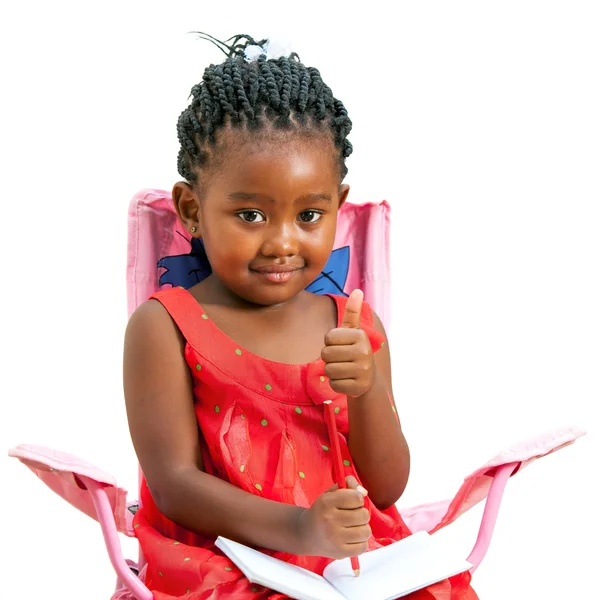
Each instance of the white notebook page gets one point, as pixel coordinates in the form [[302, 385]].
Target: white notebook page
[[278, 575], [396, 570]]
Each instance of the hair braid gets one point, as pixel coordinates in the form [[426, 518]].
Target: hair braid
[[282, 93], [240, 91], [294, 81], [252, 94], [230, 92], [266, 71], [286, 91]]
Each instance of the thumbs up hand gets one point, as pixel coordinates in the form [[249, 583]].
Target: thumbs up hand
[[347, 354]]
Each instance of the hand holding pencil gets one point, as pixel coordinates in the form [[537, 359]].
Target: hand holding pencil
[[337, 523]]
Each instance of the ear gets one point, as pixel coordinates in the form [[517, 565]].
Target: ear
[[187, 207], [343, 194]]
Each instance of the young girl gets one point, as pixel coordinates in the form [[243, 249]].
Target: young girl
[[225, 382]]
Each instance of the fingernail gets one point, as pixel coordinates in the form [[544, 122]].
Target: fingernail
[[362, 490]]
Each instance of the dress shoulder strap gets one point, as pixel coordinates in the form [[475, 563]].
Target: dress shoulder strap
[[185, 310]]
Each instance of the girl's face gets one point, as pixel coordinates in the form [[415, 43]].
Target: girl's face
[[268, 215]]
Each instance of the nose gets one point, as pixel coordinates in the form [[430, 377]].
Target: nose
[[280, 241]]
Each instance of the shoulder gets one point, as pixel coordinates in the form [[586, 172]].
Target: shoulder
[[377, 324], [324, 305], [373, 326], [157, 310], [151, 324], [148, 313]]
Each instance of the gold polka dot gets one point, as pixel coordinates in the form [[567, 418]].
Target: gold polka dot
[[302, 475], [258, 487], [136, 525], [238, 351], [347, 463], [217, 408], [337, 410], [382, 344], [204, 316], [175, 543], [160, 573], [186, 559], [268, 387], [322, 378], [298, 410], [325, 448], [198, 367], [393, 408], [264, 422], [228, 569], [242, 416], [242, 467]]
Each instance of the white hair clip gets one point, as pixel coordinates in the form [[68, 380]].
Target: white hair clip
[[274, 48], [251, 53]]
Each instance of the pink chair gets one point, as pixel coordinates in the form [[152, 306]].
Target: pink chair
[[160, 254]]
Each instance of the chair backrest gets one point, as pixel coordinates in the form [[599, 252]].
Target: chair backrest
[[160, 252]]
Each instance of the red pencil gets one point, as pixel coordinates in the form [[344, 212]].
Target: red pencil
[[338, 465]]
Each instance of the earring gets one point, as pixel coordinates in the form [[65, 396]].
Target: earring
[[193, 229]]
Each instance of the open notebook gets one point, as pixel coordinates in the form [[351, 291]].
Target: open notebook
[[386, 573]]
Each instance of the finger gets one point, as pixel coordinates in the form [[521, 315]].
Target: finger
[[354, 518], [348, 499], [350, 387], [351, 318], [356, 535], [339, 354], [352, 484], [342, 370], [342, 337], [353, 550]]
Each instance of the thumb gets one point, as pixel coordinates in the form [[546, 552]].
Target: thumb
[[351, 319], [352, 484]]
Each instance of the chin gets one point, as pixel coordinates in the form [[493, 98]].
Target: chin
[[270, 295], [270, 298]]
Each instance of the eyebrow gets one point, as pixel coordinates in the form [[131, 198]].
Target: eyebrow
[[245, 196]]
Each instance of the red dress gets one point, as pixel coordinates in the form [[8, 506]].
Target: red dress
[[264, 431]]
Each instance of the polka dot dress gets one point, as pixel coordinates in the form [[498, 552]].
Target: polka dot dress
[[264, 431]]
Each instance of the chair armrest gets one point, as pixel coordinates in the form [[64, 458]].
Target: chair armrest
[[490, 513], [111, 539]]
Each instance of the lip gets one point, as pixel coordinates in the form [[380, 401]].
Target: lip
[[275, 269], [276, 273]]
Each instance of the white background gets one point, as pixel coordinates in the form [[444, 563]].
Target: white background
[[478, 121]]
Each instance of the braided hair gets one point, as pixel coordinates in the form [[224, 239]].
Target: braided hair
[[275, 94]]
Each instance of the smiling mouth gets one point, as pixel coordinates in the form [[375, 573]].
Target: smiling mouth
[[277, 273]]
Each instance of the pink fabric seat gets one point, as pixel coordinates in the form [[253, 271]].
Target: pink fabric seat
[[361, 261]]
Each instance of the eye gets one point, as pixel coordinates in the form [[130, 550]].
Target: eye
[[251, 216], [310, 216]]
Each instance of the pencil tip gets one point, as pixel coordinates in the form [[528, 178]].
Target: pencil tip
[[356, 572]]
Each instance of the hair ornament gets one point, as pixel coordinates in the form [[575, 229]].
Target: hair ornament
[[274, 47], [251, 49]]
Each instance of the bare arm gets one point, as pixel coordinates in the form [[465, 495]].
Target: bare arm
[[376, 441], [164, 430]]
